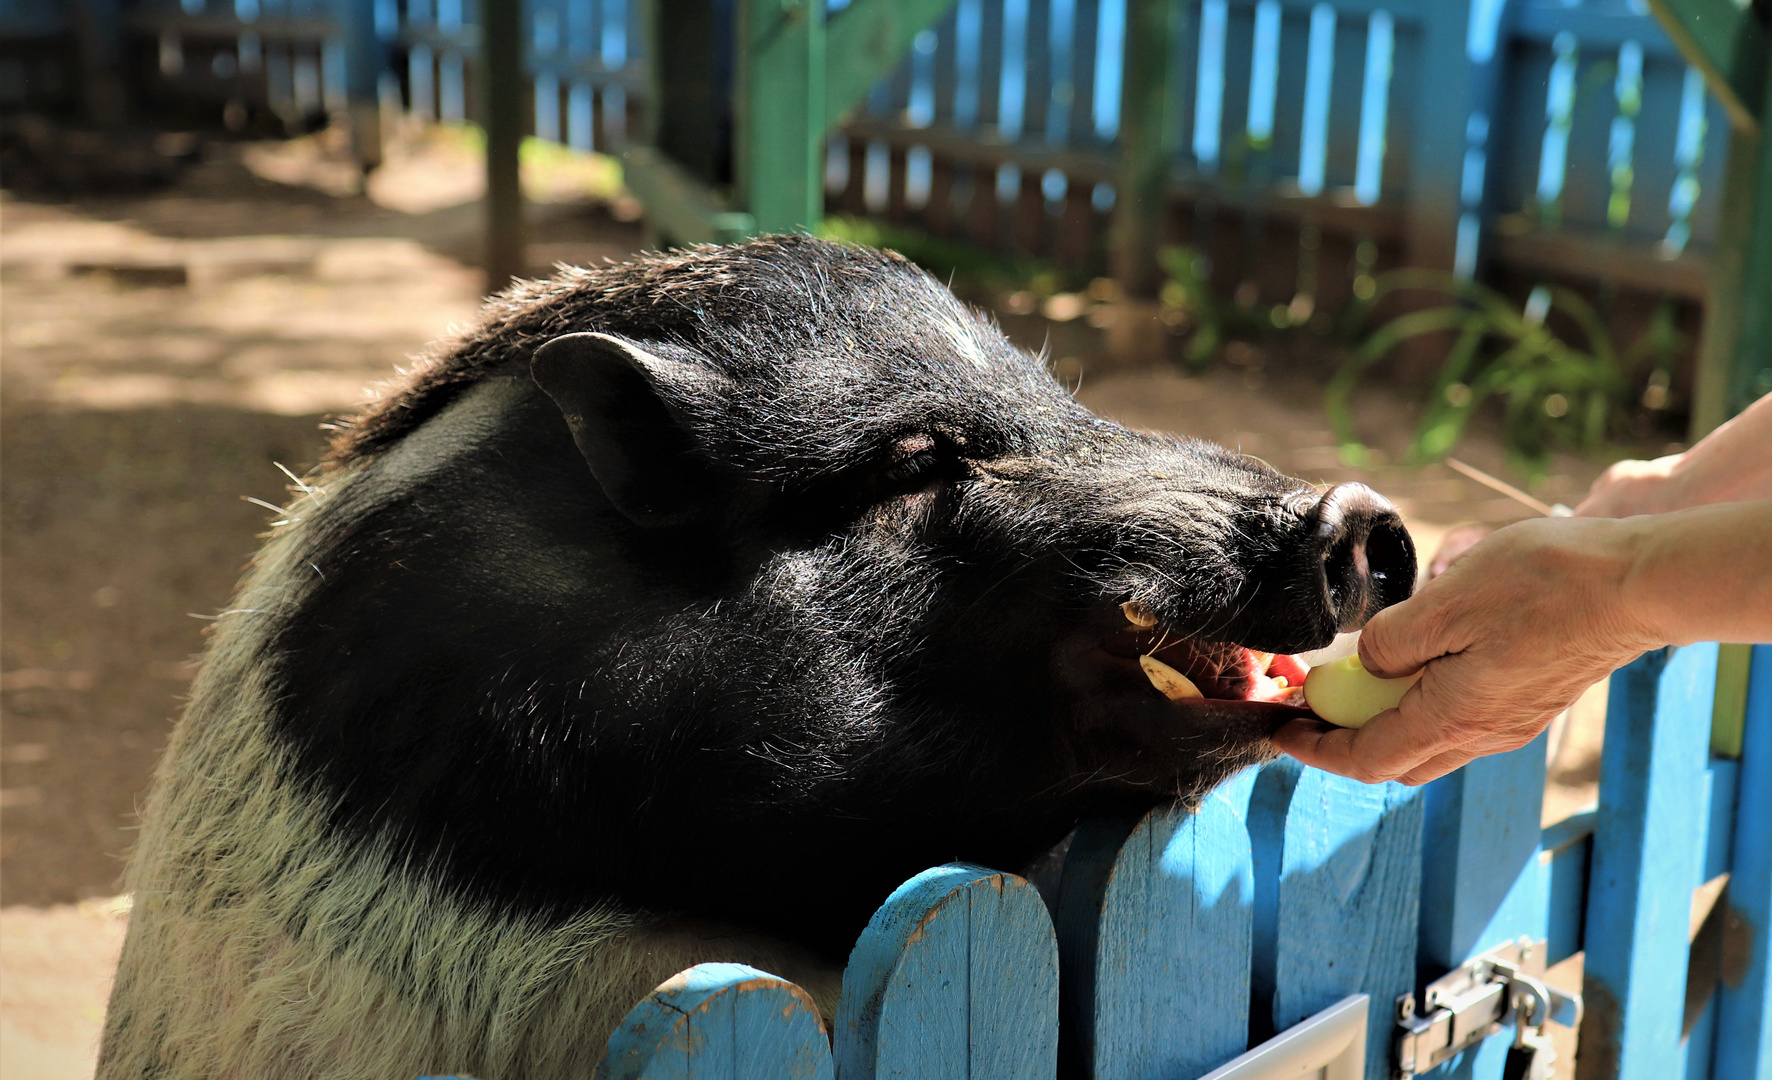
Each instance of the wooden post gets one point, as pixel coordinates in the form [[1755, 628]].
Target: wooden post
[[1346, 902], [1482, 883], [720, 1020], [955, 978], [365, 59], [687, 113], [1142, 188], [1648, 849], [1732, 45], [778, 113], [1744, 1003], [1168, 977], [502, 86], [98, 39]]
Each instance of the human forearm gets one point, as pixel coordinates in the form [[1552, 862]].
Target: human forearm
[[1731, 464], [1703, 574]]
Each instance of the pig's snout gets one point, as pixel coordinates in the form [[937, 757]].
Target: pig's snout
[[1363, 552]]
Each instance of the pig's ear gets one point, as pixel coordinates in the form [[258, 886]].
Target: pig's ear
[[614, 396]]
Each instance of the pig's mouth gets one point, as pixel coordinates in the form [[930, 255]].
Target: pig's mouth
[[1193, 672]]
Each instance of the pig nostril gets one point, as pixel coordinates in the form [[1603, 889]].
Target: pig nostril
[[1368, 560]]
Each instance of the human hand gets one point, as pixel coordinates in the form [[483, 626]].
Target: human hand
[[1510, 635], [1633, 487], [1453, 546]]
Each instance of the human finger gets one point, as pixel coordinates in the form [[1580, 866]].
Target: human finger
[[1353, 753], [1435, 767], [1397, 641]]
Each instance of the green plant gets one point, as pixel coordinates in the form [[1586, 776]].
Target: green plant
[[1554, 392], [1188, 301]]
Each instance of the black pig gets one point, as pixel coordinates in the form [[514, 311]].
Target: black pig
[[679, 612]]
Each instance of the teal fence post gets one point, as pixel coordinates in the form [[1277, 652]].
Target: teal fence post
[[1744, 1002], [1648, 852], [1168, 980], [720, 1020], [1482, 882], [1346, 900], [778, 113], [955, 978]]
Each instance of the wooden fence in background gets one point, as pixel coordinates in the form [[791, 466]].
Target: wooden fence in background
[[1299, 144], [1278, 930]]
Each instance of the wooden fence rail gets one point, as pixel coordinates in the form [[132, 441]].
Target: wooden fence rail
[[1273, 931], [1299, 144]]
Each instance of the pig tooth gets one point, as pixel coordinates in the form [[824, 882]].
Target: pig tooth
[[1171, 683], [1262, 660], [1138, 615]]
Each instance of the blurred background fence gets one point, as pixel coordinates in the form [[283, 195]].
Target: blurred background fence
[[1295, 148]]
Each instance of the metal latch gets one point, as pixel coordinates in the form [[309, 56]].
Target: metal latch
[[1474, 1001]]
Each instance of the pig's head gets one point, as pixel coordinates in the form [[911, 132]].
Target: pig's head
[[795, 538]]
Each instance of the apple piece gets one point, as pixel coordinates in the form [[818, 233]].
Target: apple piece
[[1293, 669], [1344, 693]]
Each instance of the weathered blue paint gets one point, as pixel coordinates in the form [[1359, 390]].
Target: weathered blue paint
[[956, 976], [1483, 883], [1172, 959], [1088, 867], [1648, 852], [1744, 1004], [1350, 875], [1566, 849], [1268, 805], [721, 1022]]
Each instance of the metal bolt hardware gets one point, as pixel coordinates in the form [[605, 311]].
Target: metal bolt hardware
[[1474, 1001]]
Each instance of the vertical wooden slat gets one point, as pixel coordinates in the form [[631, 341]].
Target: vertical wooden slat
[[724, 1021], [1482, 883], [956, 976], [1640, 894], [1143, 187], [1448, 95], [779, 113], [1744, 1003], [501, 76], [1171, 967], [1347, 903]]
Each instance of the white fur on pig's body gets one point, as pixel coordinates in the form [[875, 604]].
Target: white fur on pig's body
[[264, 945]]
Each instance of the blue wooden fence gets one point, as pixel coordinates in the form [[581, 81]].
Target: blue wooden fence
[[1273, 931], [1564, 138], [1544, 137]]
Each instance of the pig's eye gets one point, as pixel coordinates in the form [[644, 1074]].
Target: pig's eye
[[916, 465], [908, 474]]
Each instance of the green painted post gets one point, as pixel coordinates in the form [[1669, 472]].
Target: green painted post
[[1142, 189], [502, 86], [778, 112], [1751, 375], [865, 41], [1732, 45]]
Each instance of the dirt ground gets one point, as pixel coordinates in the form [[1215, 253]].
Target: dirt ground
[[164, 354]]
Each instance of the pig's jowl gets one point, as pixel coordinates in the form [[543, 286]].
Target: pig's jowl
[[678, 612]]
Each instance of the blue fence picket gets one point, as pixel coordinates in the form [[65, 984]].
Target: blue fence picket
[[1346, 900], [1170, 987], [1483, 883], [1744, 1003], [955, 978], [1648, 851], [721, 1022]]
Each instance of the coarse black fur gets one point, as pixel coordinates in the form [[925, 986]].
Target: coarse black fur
[[812, 603]]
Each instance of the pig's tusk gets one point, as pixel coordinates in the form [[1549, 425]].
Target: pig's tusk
[[1138, 615], [1170, 683]]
